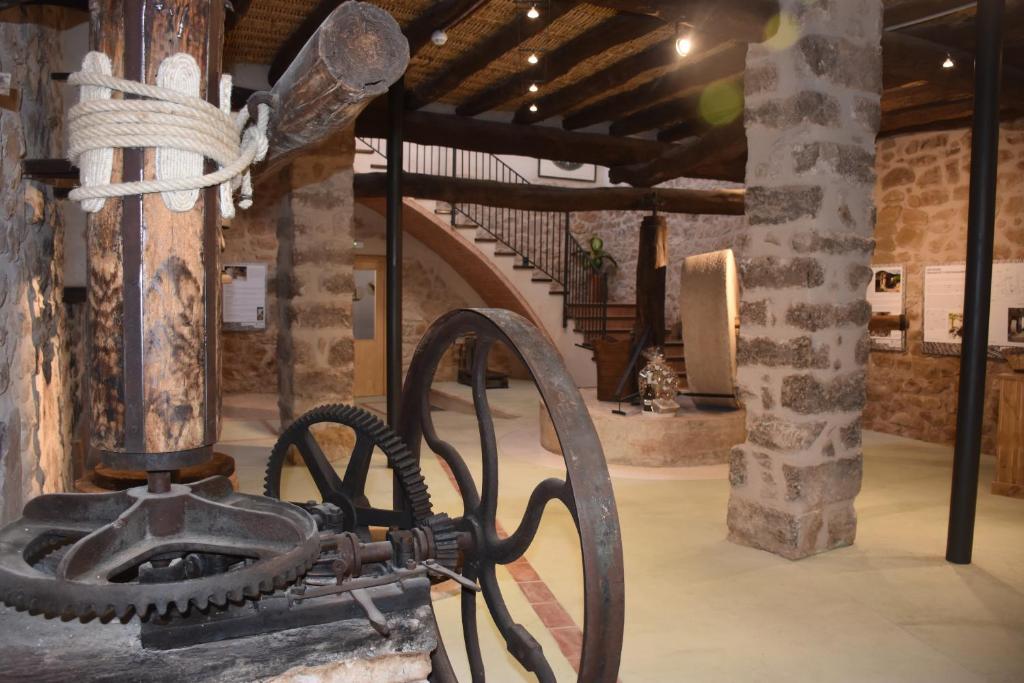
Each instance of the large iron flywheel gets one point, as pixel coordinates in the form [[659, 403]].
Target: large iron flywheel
[[586, 492]]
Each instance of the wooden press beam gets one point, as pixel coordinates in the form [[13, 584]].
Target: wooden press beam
[[550, 198], [694, 74], [609, 33], [748, 21], [490, 48], [441, 14], [718, 145], [541, 142], [353, 57]]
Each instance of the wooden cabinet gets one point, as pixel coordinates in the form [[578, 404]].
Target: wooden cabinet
[[1010, 437]]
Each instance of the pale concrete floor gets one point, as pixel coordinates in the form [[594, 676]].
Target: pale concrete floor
[[699, 608]]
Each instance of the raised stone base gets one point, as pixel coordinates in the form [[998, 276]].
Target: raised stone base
[[39, 649], [693, 436]]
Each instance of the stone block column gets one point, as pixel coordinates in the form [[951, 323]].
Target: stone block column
[[812, 114], [315, 282]]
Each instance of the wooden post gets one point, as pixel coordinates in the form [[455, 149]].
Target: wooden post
[[651, 269], [153, 273]]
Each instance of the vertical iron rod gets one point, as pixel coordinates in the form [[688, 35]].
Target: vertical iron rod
[[396, 107], [978, 285]]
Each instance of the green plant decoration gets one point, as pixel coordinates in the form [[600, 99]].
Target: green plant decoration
[[599, 260]]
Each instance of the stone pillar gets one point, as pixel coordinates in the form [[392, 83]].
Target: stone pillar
[[315, 282], [34, 401], [812, 113]]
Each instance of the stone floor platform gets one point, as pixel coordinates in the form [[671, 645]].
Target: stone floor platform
[[693, 436]]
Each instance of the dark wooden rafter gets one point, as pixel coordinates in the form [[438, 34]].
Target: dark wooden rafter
[[654, 57], [686, 108], [488, 49], [542, 142], [551, 198], [613, 31], [442, 14], [748, 21], [719, 145], [697, 71]]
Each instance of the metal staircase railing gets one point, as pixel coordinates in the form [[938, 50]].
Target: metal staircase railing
[[542, 240]]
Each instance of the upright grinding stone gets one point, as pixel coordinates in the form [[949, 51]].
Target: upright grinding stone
[[709, 308]]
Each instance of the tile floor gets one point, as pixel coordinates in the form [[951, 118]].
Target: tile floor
[[699, 608]]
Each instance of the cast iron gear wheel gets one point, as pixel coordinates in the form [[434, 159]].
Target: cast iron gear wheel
[[114, 554], [348, 492]]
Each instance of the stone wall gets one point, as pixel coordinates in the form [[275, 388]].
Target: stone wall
[[812, 113], [249, 359], [34, 412], [921, 195], [314, 281], [687, 235]]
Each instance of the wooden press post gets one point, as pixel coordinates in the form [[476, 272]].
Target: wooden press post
[[153, 273], [651, 268]]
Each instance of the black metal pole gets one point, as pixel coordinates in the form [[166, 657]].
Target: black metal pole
[[396, 107], [978, 286]]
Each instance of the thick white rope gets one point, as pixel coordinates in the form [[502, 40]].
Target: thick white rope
[[166, 119]]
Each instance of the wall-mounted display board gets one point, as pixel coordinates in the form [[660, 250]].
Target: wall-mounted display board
[[887, 296], [245, 296], [944, 303]]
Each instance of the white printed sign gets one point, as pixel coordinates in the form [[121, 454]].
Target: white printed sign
[[886, 294], [245, 296], [944, 304]]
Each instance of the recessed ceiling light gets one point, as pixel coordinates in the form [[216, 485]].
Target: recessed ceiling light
[[533, 13], [533, 58], [533, 108], [533, 87], [949, 63], [684, 41]]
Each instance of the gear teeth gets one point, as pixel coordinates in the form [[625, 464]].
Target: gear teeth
[[400, 458], [202, 603]]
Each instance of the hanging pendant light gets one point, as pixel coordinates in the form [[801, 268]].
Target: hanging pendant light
[[532, 13], [533, 58]]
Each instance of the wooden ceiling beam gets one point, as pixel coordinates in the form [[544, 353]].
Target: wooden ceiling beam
[[552, 198], [493, 137], [442, 14], [747, 21], [493, 47], [717, 146], [609, 33], [699, 71], [686, 108], [654, 57]]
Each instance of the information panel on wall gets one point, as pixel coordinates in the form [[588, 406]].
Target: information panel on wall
[[944, 304], [245, 296], [887, 296]]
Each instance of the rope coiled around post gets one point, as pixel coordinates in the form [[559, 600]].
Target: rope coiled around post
[[165, 119]]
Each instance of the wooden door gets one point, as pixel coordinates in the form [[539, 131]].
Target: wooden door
[[368, 325]]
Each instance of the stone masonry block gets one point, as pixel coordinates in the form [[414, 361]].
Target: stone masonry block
[[805, 107], [841, 61], [772, 272], [753, 313], [778, 434], [815, 317], [778, 205], [831, 243], [795, 353], [808, 395], [852, 162], [791, 535], [828, 482]]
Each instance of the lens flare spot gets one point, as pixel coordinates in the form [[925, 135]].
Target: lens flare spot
[[781, 32], [721, 103]]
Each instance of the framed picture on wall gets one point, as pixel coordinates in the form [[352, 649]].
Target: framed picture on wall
[[567, 170]]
